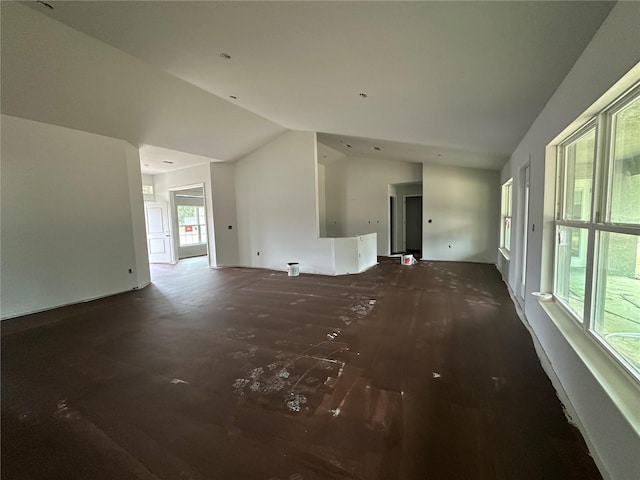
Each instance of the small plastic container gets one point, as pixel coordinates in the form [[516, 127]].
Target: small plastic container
[[293, 269]]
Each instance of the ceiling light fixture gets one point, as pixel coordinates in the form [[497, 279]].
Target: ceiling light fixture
[[347, 145], [226, 56], [363, 95], [233, 96], [44, 4], [377, 148]]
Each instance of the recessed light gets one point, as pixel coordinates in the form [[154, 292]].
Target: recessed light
[[363, 95], [377, 148], [439, 154], [347, 145], [324, 156], [233, 96], [146, 164], [226, 56], [167, 162], [45, 4]]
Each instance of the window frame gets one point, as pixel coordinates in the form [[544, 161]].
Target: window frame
[[506, 212], [599, 219]]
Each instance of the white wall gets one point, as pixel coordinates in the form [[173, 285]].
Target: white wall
[[277, 205], [612, 436], [322, 201], [357, 196], [463, 205], [148, 180], [136, 204], [223, 190], [72, 218]]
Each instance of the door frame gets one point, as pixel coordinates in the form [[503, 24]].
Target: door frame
[[393, 224], [525, 188], [173, 214]]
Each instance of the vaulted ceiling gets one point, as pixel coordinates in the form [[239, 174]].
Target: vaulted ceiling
[[449, 82]]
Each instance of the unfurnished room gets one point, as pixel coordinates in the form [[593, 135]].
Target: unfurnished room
[[307, 240]]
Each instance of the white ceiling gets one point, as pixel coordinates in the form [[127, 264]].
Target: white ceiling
[[460, 79], [156, 160]]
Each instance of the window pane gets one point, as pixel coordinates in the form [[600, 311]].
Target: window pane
[[507, 233], [578, 175], [571, 262], [625, 176], [617, 301]]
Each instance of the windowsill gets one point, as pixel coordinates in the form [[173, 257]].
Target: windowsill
[[617, 383], [505, 253]]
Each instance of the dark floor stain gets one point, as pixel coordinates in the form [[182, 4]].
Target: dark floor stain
[[403, 372]]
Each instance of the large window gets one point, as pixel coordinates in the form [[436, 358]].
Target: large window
[[192, 225], [505, 228], [597, 253]]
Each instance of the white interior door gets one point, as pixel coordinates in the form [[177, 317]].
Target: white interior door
[[158, 232]]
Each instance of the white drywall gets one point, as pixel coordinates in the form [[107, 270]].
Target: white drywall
[[136, 203], [147, 180], [355, 254], [55, 74], [223, 189], [463, 205], [322, 201], [70, 200], [613, 51], [196, 175], [357, 196], [277, 206]]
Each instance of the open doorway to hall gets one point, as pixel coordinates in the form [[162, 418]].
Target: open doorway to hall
[[177, 227], [405, 218], [191, 222]]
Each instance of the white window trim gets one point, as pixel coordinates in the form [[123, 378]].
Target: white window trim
[[597, 222], [504, 249], [621, 386]]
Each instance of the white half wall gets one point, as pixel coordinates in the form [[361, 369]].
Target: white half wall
[[463, 205], [72, 217], [613, 439], [277, 205], [357, 196]]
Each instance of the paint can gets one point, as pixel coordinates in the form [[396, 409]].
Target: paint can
[[408, 259], [293, 269]]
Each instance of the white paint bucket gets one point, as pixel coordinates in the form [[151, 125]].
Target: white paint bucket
[[408, 259], [293, 269]]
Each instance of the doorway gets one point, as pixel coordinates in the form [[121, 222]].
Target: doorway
[[190, 222], [413, 224], [393, 227]]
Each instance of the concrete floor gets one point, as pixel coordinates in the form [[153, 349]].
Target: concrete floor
[[403, 372]]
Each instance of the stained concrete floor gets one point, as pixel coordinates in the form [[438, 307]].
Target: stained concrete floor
[[403, 372]]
